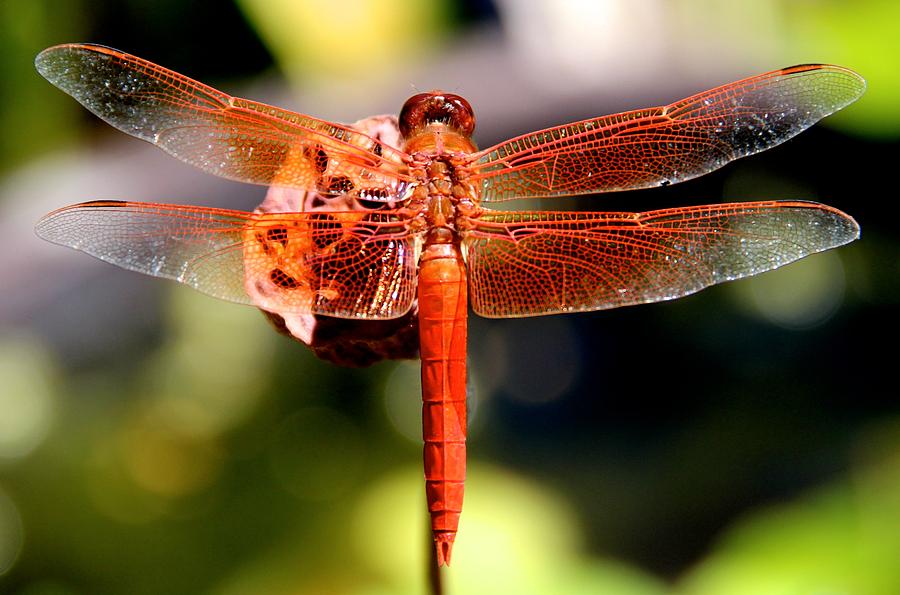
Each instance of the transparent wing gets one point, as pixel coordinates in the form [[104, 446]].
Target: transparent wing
[[665, 145], [345, 264], [531, 263], [223, 135]]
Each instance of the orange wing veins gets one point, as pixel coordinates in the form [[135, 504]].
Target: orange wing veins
[[664, 145], [231, 137], [351, 264], [530, 263]]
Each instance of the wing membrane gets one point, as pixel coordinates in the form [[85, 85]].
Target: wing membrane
[[542, 262], [231, 137], [664, 145], [345, 264]]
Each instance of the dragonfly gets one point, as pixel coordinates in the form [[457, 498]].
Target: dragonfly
[[412, 234]]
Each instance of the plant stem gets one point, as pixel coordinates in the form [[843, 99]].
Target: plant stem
[[435, 583]]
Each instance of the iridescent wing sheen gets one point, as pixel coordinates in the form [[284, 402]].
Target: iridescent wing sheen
[[231, 137], [664, 145], [532, 263], [346, 264]]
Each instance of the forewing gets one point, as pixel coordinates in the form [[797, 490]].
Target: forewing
[[531, 263], [223, 135], [343, 264], [664, 145]]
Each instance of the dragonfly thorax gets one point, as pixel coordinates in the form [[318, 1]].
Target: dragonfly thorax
[[441, 198]]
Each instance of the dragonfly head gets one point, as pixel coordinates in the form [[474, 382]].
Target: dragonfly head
[[436, 107]]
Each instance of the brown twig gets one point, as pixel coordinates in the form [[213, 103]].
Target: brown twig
[[435, 582]]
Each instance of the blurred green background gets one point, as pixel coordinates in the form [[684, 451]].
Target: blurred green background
[[744, 440]]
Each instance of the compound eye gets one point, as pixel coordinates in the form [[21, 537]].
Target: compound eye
[[427, 108]]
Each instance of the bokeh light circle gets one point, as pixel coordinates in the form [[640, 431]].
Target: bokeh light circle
[[543, 359], [802, 295], [403, 399], [12, 533], [26, 399]]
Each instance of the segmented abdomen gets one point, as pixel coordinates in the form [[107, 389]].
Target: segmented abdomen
[[442, 334]]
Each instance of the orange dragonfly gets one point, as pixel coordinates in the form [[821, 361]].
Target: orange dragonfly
[[415, 235]]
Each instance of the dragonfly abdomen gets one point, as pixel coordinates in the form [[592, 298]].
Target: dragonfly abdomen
[[442, 337]]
